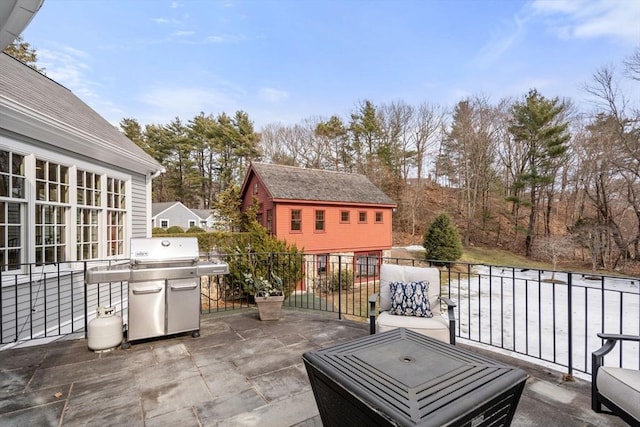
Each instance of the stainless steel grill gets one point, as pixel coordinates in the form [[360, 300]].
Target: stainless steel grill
[[164, 285]]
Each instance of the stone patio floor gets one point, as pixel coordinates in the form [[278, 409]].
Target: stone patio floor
[[239, 372]]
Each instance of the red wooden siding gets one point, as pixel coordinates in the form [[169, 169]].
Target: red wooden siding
[[338, 236]]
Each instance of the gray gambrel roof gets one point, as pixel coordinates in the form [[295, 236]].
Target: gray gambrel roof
[[292, 183], [32, 104]]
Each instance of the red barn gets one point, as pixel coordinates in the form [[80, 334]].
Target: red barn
[[323, 212]]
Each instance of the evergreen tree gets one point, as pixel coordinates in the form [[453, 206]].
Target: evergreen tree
[[539, 125], [441, 241]]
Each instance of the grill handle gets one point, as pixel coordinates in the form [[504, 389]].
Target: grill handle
[[139, 291], [183, 287]]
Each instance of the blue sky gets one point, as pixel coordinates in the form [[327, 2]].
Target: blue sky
[[284, 61]]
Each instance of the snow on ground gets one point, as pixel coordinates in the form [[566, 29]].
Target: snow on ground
[[519, 310]]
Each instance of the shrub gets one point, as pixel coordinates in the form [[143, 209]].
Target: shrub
[[259, 254], [441, 241], [195, 229], [158, 230], [174, 229], [334, 281]]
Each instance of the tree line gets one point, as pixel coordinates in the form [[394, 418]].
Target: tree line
[[531, 174]]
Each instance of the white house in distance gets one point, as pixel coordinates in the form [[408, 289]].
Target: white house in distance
[[72, 186], [168, 214]]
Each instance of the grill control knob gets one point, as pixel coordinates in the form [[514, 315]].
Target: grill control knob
[[166, 243]]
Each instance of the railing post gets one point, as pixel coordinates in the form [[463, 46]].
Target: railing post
[[86, 302], [570, 324], [340, 287]]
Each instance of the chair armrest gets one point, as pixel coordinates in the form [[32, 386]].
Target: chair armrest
[[619, 337], [448, 301], [452, 318], [373, 299]]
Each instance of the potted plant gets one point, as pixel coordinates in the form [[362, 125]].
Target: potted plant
[[268, 294]]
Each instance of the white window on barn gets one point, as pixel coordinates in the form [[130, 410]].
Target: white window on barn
[[88, 218], [192, 223], [116, 212], [164, 223], [12, 210], [52, 210]]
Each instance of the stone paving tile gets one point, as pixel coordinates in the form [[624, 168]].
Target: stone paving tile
[[41, 415], [222, 378], [214, 339], [286, 412], [174, 395], [217, 410], [117, 411], [66, 374], [185, 417], [15, 380], [120, 384], [152, 376], [22, 357], [282, 384], [273, 360], [16, 401], [203, 356]]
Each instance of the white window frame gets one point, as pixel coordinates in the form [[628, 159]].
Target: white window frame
[[28, 226]]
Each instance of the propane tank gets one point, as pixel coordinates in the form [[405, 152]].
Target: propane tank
[[104, 333]]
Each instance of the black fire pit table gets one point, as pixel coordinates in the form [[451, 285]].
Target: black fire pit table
[[403, 378]]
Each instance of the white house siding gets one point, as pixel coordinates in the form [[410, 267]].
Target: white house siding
[[179, 215], [139, 225]]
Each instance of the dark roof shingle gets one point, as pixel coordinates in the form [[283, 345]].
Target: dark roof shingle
[[288, 182]]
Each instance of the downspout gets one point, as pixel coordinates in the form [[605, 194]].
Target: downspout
[[149, 201]]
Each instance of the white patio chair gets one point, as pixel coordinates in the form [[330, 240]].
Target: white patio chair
[[391, 315], [617, 388]]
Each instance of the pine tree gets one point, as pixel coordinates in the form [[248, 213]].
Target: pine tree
[[441, 241]]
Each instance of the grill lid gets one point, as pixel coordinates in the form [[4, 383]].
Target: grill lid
[[164, 250]]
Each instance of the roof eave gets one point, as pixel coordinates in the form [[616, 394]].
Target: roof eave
[[26, 121]]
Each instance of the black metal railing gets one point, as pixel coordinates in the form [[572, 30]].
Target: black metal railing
[[551, 317]]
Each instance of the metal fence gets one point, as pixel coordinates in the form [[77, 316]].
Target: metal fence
[[551, 317]]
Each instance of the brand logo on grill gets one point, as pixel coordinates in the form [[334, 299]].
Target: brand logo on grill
[[139, 254]]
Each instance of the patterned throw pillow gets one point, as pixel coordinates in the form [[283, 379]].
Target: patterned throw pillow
[[410, 299]]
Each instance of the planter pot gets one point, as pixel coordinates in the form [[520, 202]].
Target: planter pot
[[269, 308]]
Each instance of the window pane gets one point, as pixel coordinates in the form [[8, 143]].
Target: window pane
[[17, 190], [17, 164], [4, 161], [4, 185], [40, 169], [13, 236]]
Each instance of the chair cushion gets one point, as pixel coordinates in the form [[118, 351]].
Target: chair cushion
[[622, 387], [436, 327], [410, 299], [390, 273]]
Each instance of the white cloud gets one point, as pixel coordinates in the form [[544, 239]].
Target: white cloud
[[225, 38], [501, 41], [182, 33], [592, 18], [160, 20], [185, 102], [273, 96], [69, 67]]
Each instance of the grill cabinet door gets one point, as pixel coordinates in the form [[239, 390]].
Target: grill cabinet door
[[146, 309], [183, 305]]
